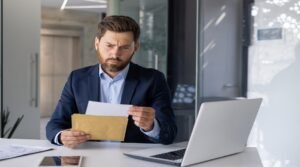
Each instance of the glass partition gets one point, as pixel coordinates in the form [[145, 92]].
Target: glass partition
[[219, 43], [152, 17], [274, 67]]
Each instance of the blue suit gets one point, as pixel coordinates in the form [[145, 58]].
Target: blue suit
[[142, 87]]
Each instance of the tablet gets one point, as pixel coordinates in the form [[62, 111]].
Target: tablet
[[70, 161]]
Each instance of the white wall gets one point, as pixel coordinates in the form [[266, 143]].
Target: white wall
[[274, 68], [85, 22], [21, 27]]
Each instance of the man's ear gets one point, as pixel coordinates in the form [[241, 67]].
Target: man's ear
[[97, 41], [136, 46]]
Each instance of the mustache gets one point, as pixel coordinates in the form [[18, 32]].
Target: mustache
[[116, 59]]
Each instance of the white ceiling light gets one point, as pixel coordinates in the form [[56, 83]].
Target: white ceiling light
[[99, 1], [86, 7], [83, 5], [63, 5]]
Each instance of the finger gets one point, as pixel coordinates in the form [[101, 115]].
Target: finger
[[68, 141], [74, 138], [142, 119], [68, 133], [143, 123], [72, 141], [140, 124], [141, 109], [73, 144], [142, 112], [145, 126], [71, 135], [77, 132]]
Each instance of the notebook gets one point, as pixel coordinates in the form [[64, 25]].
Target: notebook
[[221, 129]]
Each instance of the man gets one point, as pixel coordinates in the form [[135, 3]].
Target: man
[[116, 80]]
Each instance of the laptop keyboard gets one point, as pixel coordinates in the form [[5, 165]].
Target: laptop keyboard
[[174, 155]]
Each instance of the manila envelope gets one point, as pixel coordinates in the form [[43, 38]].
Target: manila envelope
[[101, 127]]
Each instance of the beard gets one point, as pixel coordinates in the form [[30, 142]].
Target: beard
[[114, 64]]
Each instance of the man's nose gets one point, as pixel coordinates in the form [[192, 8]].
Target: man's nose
[[115, 52]]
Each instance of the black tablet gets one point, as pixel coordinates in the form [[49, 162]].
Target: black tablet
[[70, 161]]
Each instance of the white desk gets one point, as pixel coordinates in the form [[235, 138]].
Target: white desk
[[111, 155]]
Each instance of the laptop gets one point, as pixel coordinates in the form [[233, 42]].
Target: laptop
[[221, 129]]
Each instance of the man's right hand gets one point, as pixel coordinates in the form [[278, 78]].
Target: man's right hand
[[73, 138]]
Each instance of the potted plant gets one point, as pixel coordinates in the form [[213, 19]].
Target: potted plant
[[7, 133]]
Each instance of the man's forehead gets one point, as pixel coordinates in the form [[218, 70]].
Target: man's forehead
[[118, 37], [127, 34]]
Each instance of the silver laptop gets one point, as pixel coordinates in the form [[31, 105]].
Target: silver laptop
[[221, 128]]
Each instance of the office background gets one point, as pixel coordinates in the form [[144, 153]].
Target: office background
[[210, 49]]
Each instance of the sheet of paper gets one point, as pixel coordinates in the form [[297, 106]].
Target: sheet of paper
[[13, 150], [107, 109]]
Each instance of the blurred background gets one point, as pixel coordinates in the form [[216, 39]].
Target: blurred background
[[209, 50]]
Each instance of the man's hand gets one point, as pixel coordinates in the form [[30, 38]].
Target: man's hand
[[73, 138], [143, 117]]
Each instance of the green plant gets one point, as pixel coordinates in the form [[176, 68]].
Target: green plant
[[4, 121]]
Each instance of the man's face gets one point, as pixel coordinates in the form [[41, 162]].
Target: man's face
[[115, 50]]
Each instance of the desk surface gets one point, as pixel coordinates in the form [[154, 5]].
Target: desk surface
[[111, 154]]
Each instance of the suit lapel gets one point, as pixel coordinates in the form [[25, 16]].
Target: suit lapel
[[130, 84], [93, 84]]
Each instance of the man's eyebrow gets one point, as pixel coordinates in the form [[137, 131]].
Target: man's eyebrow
[[108, 43], [125, 45]]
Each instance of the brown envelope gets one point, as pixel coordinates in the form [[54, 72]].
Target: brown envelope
[[101, 127]]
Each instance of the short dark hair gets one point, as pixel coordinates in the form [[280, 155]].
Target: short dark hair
[[119, 24]]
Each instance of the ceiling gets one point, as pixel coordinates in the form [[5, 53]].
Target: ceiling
[[98, 6], [85, 5]]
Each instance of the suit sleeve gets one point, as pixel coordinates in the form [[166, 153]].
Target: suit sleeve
[[61, 118], [161, 102]]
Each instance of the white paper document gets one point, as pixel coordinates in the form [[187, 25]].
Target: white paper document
[[13, 150], [107, 109]]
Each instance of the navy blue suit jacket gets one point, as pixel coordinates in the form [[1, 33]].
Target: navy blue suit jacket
[[143, 87]]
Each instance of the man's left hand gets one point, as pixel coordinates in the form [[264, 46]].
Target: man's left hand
[[143, 117]]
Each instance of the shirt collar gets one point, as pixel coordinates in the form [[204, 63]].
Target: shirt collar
[[121, 75]]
